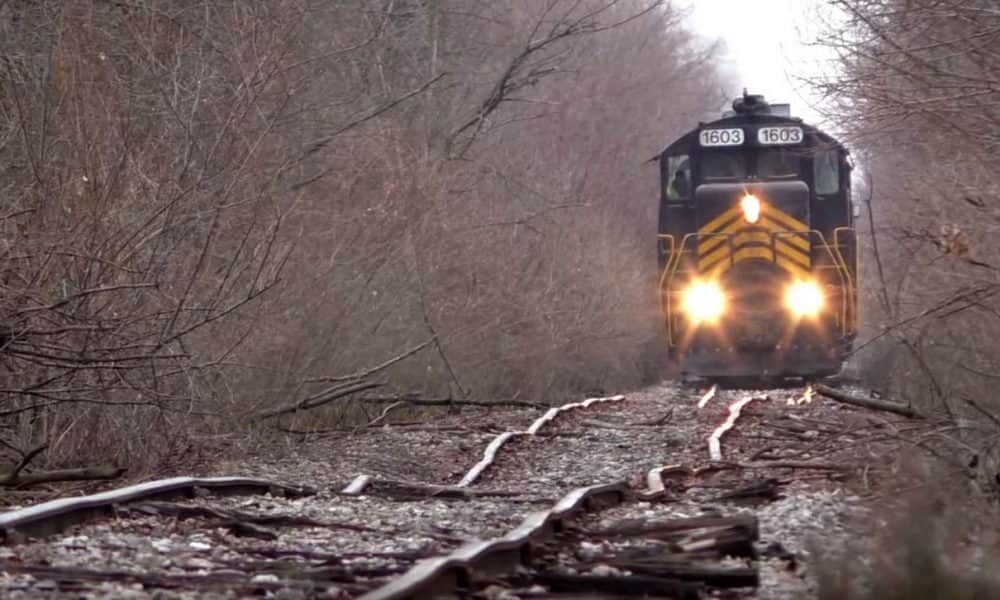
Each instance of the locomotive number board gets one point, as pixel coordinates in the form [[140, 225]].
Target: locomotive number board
[[721, 137], [779, 136]]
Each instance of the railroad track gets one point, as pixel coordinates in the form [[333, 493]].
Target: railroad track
[[665, 492]]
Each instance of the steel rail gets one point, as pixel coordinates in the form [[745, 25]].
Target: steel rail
[[359, 484], [735, 409], [440, 576], [490, 454], [54, 516]]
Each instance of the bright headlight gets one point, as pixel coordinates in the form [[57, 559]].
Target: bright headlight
[[704, 302], [751, 208], [804, 299]]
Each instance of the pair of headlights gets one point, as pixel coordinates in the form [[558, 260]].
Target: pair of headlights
[[705, 301]]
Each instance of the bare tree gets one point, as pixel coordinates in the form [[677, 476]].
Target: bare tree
[[216, 211], [917, 93]]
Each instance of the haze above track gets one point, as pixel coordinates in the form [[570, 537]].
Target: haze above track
[[768, 46]]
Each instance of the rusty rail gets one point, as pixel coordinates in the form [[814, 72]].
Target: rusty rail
[[52, 517], [441, 576], [490, 454]]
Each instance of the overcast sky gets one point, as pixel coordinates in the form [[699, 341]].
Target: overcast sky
[[766, 45]]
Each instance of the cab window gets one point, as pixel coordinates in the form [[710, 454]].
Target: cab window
[[826, 172], [723, 165], [678, 177], [776, 163]]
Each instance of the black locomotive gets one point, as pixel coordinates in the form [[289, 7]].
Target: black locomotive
[[757, 250]]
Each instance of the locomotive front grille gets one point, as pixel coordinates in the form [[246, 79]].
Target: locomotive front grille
[[776, 237]]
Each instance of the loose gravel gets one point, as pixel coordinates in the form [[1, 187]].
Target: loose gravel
[[359, 542]]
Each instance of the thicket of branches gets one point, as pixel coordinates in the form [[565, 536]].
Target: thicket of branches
[[918, 91], [218, 210]]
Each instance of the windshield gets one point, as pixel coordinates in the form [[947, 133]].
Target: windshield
[[826, 172], [777, 162], [722, 164]]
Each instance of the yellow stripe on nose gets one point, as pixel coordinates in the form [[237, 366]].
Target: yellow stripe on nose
[[788, 221], [776, 236], [740, 243], [726, 216]]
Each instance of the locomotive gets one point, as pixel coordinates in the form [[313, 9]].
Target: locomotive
[[757, 248]]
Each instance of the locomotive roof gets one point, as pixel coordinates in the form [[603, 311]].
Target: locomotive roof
[[753, 110]]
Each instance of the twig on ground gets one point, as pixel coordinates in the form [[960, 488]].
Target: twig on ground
[[371, 371], [27, 459], [790, 464], [871, 403], [418, 401], [87, 474], [982, 411], [320, 399]]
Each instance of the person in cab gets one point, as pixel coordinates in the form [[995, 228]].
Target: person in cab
[[679, 184]]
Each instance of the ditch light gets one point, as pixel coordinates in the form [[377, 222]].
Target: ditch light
[[704, 302], [804, 299]]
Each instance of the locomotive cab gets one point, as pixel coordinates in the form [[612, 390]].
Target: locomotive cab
[[756, 248]]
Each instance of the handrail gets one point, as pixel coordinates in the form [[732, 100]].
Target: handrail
[[665, 298], [671, 271], [857, 271]]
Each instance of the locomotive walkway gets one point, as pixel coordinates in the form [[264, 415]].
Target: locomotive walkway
[[644, 493]]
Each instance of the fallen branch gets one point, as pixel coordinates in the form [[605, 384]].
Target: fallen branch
[[789, 464], [618, 585], [371, 371], [418, 401], [982, 411], [677, 527], [722, 577], [318, 400], [758, 491], [871, 403], [384, 414], [276, 553], [234, 517], [15, 479], [168, 581], [655, 422], [27, 459]]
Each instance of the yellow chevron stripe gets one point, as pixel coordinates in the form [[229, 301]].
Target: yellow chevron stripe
[[767, 211], [719, 237], [792, 238], [734, 227], [789, 237], [739, 254], [789, 222], [725, 217], [791, 249], [704, 262], [742, 237], [719, 268], [752, 252], [802, 258], [745, 253], [792, 268], [785, 252]]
